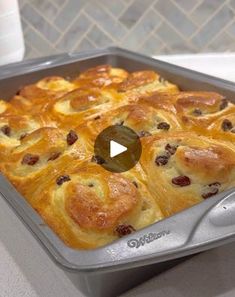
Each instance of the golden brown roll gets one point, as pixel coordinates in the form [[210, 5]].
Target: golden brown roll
[[141, 83], [101, 76], [199, 109], [13, 128], [143, 119], [6, 108], [161, 101], [89, 206], [37, 97], [83, 104], [40, 155], [224, 127], [185, 168]]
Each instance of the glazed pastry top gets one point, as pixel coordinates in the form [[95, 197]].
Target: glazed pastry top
[[47, 134]]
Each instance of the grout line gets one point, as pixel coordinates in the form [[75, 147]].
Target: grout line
[[68, 28], [122, 12], [82, 36], [102, 7], [59, 10], [42, 36], [160, 50], [32, 47], [139, 20], [115, 20], [170, 25], [211, 16], [187, 13], [149, 35], [189, 16], [127, 4], [159, 37], [231, 7], [179, 34], [196, 6], [86, 35], [217, 34], [169, 49], [42, 16], [230, 34], [28, 25], [208, 20], [101, 29], [91, 41]]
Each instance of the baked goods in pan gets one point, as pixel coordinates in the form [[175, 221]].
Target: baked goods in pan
[[187, 168], [47, 134], [90, 206]]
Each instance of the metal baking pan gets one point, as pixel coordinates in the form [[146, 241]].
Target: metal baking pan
[[114, 268]]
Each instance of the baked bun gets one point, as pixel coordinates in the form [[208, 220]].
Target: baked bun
[[6, 108], [141, 83], [223, 127], [40, 155], [102, 76], [47, 136], [199, 109], [37, 97], [13, 128], [185, 168], [82, 104], [143, 119], [160, 101], [89, 206]]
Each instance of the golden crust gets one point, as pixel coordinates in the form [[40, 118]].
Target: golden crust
[[94, 202], [13, 128], [142, 118], [102, 76], [82, 104], [49, 147], [202, 160], [37, 97], [47, 134], [141, 83]]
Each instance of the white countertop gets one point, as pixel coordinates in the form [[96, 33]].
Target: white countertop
[[27, 271]]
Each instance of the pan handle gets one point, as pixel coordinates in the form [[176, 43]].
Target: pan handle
[[201, 227]]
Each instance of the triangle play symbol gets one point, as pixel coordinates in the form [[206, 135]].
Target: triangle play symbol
[[116, 148]]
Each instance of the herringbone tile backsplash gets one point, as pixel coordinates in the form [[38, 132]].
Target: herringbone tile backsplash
[[148, 26]]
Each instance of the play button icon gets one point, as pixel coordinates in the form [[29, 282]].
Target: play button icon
[[117, 148]]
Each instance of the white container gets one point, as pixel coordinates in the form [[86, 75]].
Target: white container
[[11, 37]]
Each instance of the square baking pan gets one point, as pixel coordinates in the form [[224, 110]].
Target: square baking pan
[[116, 267]]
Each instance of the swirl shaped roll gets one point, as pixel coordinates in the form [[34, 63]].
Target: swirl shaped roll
[[13, 128], [82, 104], [198, 110], [185, 168], [144, 119], [37, 97], [89, 206], [144, 82], [102, 76], [224, 127], [40, 155]]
